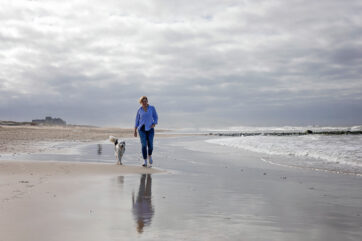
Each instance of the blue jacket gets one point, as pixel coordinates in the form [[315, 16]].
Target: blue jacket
[[147, 118]]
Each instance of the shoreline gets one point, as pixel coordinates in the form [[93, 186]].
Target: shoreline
[[315, 169]]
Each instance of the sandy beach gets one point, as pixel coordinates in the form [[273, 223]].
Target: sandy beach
[[33, 192], [204, 192], [28, 139]]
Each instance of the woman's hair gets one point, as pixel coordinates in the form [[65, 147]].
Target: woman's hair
[[142, 97]]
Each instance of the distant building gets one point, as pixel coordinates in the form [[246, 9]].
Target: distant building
[[49, 121]]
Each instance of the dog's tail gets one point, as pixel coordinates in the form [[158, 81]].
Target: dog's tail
[[112, 139]]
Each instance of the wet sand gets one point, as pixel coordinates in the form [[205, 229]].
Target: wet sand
[[208, 192], [240, 197], [55, 200]]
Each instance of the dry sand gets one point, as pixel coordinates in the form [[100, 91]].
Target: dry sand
[[28, 139]]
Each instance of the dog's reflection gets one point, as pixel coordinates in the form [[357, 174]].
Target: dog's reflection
[[142, 206], [99, 150]]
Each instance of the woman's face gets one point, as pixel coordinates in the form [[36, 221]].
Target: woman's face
[[144, 102]]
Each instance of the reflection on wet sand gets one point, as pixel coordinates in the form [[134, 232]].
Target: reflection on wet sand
[[142, 208], [99, 150], [120, 179]]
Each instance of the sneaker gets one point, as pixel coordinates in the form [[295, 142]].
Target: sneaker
[[150, 166], [151, 161], [144, 165]]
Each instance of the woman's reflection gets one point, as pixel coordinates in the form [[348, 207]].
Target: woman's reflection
[[142, 207]]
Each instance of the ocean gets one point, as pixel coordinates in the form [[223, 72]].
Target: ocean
[[290, 146]]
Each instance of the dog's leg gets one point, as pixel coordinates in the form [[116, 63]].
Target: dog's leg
[[119, 156], [116, 152]]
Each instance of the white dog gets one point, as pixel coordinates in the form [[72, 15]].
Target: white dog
[[119, 148]]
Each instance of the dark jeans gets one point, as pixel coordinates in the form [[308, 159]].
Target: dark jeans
[[146, 141]]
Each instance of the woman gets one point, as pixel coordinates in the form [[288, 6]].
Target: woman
[[146, 120]]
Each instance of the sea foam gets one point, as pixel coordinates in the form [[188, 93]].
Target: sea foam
[[332, 152]]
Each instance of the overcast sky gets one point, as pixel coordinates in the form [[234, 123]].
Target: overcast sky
[[207, 63]]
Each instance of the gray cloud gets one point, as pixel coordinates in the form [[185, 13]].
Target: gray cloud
[[207, 63]]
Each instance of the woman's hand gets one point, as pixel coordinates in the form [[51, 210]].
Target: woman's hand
[[135, 132], [153, 126]]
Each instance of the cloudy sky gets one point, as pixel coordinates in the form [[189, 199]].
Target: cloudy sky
[[206, 63]]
